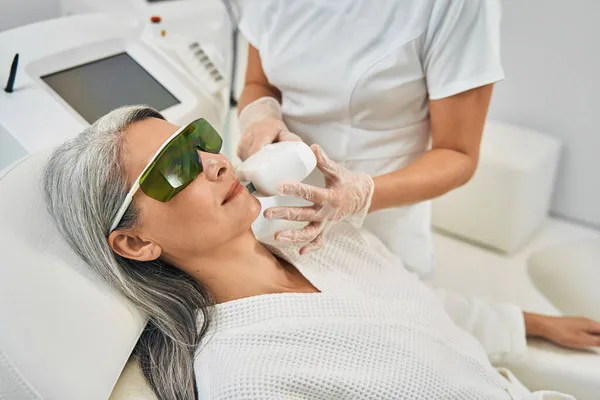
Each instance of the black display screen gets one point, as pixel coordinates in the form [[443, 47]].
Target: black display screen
[[96, 88]]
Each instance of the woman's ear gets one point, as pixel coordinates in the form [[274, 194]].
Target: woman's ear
[[129, 245]]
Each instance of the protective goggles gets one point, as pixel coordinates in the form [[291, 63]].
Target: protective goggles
[[175, 165]]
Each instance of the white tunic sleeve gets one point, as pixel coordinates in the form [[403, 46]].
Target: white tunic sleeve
[[499, 327], [461, 49]]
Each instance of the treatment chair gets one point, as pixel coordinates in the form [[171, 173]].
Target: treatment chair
[[65, 335]]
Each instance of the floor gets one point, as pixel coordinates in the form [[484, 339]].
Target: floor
[[472, 270]]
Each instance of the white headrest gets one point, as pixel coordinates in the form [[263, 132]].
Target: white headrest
[[63, 333]]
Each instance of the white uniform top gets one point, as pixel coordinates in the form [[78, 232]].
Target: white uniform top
[[375, 331], [356, 76]]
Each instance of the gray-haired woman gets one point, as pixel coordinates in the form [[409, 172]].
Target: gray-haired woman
[[231, 318]]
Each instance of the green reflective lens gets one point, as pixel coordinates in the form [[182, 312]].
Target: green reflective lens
[[206, 137], [178, 164]]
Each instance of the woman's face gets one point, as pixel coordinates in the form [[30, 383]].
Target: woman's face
[[204, 217]]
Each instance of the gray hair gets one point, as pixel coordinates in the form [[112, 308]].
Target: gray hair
[[84, 185]]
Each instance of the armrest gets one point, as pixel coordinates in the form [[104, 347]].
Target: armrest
[[568, 275], [548, 367]]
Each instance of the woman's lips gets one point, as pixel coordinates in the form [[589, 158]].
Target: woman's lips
[[236, 189]]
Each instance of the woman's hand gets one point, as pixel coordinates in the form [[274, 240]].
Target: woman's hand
[[261, 123], [571, 332], [264, 132], [347, 195]]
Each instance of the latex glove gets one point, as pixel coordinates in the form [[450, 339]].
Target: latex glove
[[571, 332], [261, 123], [347, 195]]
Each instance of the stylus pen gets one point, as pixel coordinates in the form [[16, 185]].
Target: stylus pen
[[10, 85]]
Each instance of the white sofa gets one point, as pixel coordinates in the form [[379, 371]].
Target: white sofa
[[65, 335]]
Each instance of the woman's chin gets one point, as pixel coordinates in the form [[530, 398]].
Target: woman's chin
[[254, 207], [248, 206]]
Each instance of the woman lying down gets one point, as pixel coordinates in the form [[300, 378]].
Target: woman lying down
[[232, 318]]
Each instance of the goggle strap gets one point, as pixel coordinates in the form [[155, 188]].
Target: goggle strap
[[125, 205]]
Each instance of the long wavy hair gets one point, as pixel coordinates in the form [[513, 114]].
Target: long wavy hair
[[84, 186]]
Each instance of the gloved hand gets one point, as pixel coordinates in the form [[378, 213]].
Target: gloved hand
[[347, 195], [261, 123]]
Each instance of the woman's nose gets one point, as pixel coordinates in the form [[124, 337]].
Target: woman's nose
[[214, 166]]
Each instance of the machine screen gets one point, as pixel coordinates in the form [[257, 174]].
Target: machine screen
[[95, 88]]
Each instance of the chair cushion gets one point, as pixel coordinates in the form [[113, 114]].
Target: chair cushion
[[549, 367], [568, 275]]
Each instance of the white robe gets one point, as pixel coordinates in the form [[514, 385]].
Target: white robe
[[374, 332]]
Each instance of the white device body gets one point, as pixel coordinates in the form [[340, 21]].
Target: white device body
[[202, 51], [189, 57], [188, 108], [34, 117], [276, 164]]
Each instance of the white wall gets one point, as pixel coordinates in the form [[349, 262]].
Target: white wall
[[551, 55], [15, 13]]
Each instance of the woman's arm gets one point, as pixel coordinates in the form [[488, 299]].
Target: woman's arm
[[502, 328], [571, 332], [456, 129], [457, 126], [257, 85], [499, 327], [260, 117], [460, 56]]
